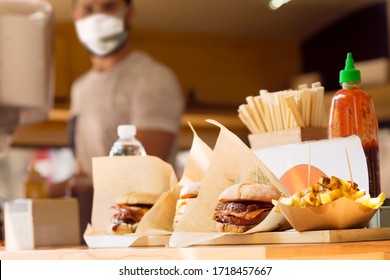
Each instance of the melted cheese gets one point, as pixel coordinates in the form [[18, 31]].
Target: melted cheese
[[244, 215]]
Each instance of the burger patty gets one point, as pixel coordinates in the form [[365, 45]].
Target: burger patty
[[242, 206], [241, 212], [129, 214], [226, 218]]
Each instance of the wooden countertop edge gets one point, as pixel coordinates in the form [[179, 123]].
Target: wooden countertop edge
[[377, 250], [53, 132], [63, 115]]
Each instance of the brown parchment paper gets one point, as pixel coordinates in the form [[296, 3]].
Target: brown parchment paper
[[198, 161], [342, 213], [232, 162], [115, 176], [159, 220]]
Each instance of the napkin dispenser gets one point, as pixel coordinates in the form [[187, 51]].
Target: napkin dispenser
[[31, 223], [26, 64]]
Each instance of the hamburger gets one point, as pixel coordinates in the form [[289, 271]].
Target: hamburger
[[243, 206], [187, 193], [129, 210]]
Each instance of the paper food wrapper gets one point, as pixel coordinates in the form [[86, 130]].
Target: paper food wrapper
[[343, 213], [198, 161], [159, 220], [232, 162], [116, 176]]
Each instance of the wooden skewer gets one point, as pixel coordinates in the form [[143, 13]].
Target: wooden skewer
[[313, 113], [255, 113], [290, 119], [294, 124], [303, 86], [294, 109], [349, 165], [284, 110], [267, 111], [309, 168], [252, 114], [243, 109], [306, 106], [298, 100], [277, 111], [261, 107], [274, 109], [246, 123], [321, 108]]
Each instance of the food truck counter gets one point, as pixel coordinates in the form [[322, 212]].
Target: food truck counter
[[366, 250]]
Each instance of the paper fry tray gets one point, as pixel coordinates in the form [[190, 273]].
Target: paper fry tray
[[281, 237]]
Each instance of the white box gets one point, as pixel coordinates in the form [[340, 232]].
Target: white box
[[31, 223], [286, 136], [290, 163], [381, 219]]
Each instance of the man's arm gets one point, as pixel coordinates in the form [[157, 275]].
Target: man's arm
[[156, 143]]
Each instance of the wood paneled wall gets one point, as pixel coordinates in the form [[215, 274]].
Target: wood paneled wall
[[217, 69]]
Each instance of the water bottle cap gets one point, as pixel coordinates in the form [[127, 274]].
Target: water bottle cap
[[126, 130]]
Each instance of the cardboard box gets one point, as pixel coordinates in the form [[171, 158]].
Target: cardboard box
[[342, 213], [287, 136], [374, 71], [31, 223]]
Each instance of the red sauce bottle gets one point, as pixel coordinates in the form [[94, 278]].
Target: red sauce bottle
[[352, 112]]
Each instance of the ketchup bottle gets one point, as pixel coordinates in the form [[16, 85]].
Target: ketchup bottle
[[352, 112]]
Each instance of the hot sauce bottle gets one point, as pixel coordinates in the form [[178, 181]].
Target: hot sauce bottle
[[352, 112]]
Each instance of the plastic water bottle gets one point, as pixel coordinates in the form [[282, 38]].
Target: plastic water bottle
[[127, 144]]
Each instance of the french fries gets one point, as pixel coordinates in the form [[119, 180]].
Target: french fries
[[327, 190]]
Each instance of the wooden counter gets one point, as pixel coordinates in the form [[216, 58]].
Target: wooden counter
[[373, 250]]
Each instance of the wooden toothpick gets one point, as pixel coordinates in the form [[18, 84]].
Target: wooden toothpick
[[309, 168], [349, 165]]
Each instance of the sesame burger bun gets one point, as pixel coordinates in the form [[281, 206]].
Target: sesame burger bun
[[244, 206], [256, 192]]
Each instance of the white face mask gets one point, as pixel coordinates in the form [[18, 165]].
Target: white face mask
[[102, 34]]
